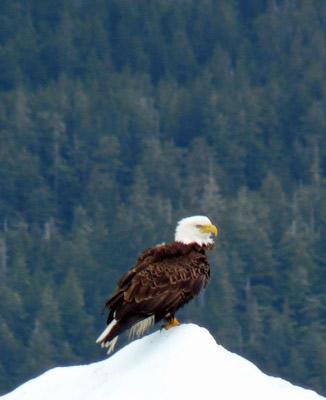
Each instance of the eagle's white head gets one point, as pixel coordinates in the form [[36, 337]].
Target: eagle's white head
[[196, 229]]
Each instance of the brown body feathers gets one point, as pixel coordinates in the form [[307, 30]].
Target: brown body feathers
[[164, 279]]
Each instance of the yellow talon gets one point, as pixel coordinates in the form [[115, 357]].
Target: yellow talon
[[171, 323]]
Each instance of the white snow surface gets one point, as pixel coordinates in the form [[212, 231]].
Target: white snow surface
[[182, 363]]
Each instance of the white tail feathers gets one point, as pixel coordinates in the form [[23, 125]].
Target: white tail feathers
[[106, 331], [141, 327], [137, 330], [110, 345]]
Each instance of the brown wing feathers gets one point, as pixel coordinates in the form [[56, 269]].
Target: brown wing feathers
[[165, 278]]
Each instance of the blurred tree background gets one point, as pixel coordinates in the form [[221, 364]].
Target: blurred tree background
[[118, 118]]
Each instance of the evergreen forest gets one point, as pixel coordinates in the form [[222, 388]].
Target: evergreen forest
[[120, 117]]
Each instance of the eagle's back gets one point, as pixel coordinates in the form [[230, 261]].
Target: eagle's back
[[164, 279]]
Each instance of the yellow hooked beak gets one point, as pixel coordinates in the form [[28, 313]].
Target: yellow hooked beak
[[209, 228]]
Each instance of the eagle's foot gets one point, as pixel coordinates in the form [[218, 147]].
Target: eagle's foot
[[171, 323]]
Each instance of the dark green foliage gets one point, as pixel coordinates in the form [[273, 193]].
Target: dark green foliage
[[119, 117]]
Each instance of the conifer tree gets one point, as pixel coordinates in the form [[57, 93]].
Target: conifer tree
[[77, 325]]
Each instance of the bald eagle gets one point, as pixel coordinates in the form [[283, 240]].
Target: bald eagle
[[165, 278]]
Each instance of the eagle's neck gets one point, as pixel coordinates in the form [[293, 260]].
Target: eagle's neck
[[202, 248], [187, 236], [186, 247]]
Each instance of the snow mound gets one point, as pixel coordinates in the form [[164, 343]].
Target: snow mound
[[182, 363]]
